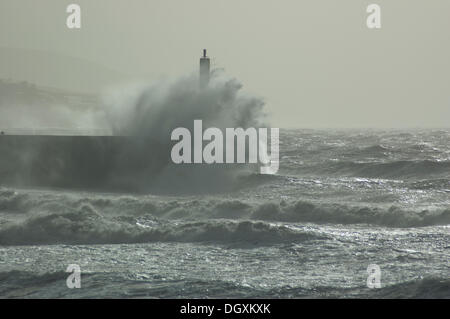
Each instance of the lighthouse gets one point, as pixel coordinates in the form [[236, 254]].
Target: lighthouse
[[204, 70]]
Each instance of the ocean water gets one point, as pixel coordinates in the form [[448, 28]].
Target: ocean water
[[342, 200]]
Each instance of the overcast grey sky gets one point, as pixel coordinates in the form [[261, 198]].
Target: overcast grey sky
[[314, 61]]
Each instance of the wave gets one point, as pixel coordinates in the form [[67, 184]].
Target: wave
[[426, 288], [30, 204], [13, 277], [86, 226], [20, 284], [442, 184], [30, 284], [44, 218], [303, 211], [376, 150], [395, 169], [24, 284]]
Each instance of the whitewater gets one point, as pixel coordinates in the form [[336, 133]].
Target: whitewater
[[342, 200]]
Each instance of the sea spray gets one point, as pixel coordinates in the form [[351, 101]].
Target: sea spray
[[151, 113], [137, 157]]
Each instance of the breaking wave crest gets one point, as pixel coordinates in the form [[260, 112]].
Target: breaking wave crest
[[40, 217], [88, 227]]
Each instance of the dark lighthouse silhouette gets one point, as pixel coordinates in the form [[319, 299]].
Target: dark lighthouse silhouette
[[204, 70]]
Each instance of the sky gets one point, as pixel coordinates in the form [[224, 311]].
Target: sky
[[314, 62]]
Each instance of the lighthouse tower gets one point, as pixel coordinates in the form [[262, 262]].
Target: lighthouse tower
[[204, 70]]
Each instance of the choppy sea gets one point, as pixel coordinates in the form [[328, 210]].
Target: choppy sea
[[341, 201]]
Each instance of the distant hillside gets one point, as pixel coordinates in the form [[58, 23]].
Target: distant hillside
[[29, 94], [27, 108], [55, 70]]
